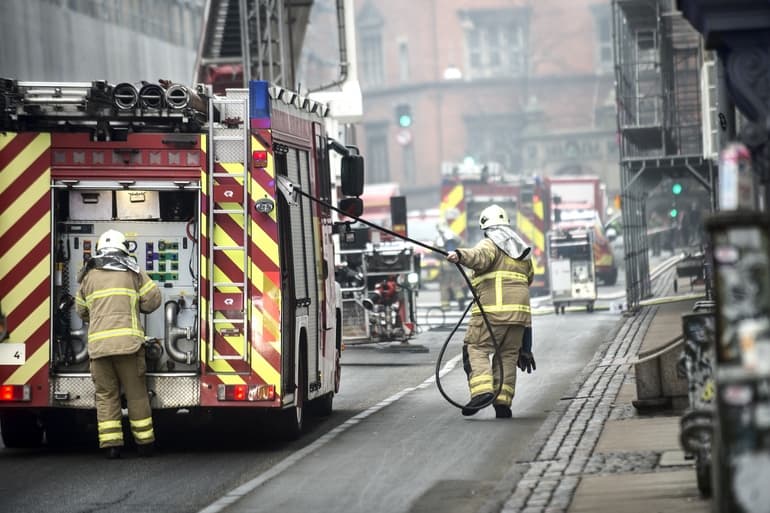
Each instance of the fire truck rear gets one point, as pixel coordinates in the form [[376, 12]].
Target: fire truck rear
[[205, 187], [468, 188]]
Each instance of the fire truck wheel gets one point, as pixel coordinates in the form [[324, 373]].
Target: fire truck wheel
[[338, 363], [64, 429], [292, 419], [323, 406], [610, 277], [21, 430]]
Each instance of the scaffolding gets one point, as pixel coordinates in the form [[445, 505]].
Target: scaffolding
[[658, 60]]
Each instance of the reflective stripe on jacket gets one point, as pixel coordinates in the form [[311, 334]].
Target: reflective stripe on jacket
[[111, 302], [501, 282]]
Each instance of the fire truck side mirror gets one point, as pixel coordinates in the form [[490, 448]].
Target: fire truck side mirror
[[352, 207], [352, 175]]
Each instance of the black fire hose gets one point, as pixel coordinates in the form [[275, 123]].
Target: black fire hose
[[496, 360]]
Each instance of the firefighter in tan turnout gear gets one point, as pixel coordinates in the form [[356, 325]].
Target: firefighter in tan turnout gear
[[502, 273], [113, 292]]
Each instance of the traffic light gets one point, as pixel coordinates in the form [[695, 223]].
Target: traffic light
[[676, 189], [404, 115], [673, 213]]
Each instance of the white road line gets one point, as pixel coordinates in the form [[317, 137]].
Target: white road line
[[238, 493]]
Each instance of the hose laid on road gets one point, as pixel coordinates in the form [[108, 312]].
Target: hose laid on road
[[496, 360]]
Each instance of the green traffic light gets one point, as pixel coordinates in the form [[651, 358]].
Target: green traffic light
[[405, 120], [674, 212], [676, 188]]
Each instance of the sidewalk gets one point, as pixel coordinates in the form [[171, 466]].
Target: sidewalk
[[597, 454]]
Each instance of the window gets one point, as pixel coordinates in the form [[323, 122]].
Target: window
[[403, 61], [377, 153], [369, 24], [603, 25], [495, 139], [372, 72], [495, 42]]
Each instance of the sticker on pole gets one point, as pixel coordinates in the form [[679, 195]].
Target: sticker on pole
[[12, 354]]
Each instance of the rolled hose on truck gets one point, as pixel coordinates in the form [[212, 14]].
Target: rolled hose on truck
[[496, 361]]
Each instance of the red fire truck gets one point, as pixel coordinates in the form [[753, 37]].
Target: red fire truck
[[467, 189], [208, 190]]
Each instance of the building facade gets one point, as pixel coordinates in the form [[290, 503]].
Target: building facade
[[527, 84], [84, 40]]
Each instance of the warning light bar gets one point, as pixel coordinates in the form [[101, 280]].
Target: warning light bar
[[246, 392], [10, 393]]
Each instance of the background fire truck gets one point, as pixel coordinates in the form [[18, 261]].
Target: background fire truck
[[204, 187], [581, 202], [467, 188], [378, 273], [534, 206]]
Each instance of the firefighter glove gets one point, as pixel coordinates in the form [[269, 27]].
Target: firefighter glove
[[526, 342], [526, 362]]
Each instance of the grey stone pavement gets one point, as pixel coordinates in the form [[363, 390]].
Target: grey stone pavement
[[595, 453]]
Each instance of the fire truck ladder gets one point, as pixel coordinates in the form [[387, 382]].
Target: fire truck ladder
[[229, 147]]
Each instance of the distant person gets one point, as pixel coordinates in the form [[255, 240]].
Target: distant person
[[502, 274], [113, 292]]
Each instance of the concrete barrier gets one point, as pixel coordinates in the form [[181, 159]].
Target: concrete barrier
[[658, 384]]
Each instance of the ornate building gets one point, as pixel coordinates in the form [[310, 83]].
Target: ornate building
[[526, 84]]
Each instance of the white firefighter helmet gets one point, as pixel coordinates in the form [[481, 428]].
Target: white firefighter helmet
[[493, 215], [112, 239]]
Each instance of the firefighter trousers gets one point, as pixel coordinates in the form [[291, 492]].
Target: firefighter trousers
[[478, 348], [109, 373]]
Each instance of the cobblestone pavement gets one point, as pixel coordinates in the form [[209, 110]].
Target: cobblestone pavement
[[550, 474]]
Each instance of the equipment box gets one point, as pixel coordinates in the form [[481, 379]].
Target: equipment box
[[90, 205], [138, 204]]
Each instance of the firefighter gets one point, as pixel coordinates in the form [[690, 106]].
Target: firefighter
[[502, 273], [113, 292]]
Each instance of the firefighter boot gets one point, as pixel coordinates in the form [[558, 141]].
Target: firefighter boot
[[112, 453], [146, 450], [476, 403], [502, 411]]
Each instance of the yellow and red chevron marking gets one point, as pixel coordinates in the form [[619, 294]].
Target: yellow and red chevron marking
[[533, 233], [453, 202], [538, 209], [263, 291], [25, 264]]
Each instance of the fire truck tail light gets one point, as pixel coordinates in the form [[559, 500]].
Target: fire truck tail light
[[260, 158], [246, 392], [266, 393], [10, 393]]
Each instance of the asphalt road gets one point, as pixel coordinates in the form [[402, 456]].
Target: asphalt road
[[393, 444]]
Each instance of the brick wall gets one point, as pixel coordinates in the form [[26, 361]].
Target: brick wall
[[559, 96]]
